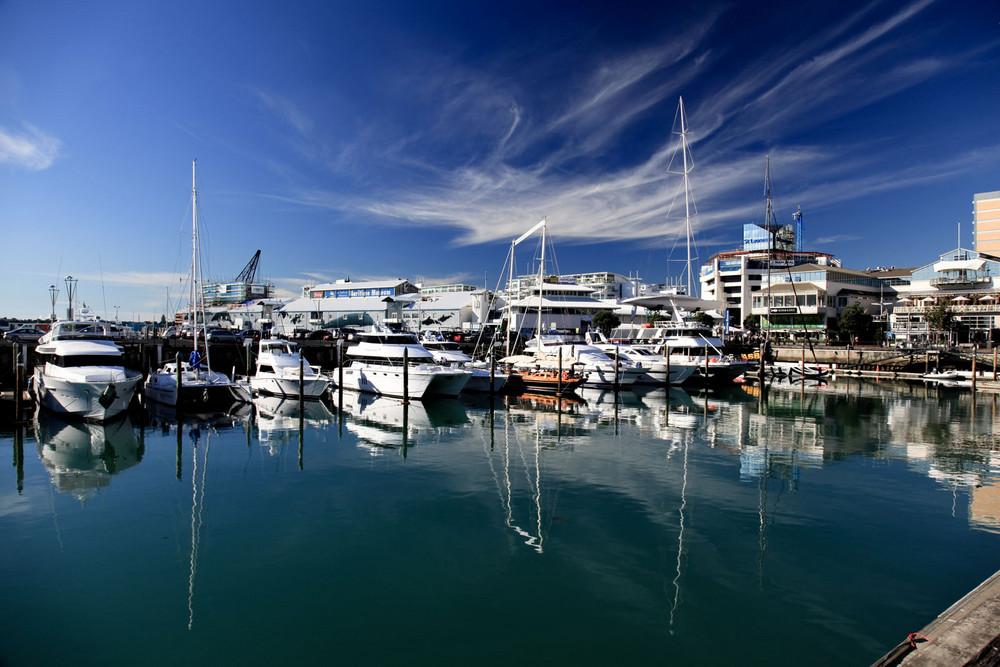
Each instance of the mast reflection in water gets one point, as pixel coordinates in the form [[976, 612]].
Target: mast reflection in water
[[709, 528]]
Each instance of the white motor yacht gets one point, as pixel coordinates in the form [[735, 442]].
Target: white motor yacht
[[653, 364], [376, 366], [449, 353], [688, 344], [81, 372], [589, 361], [281, 371]]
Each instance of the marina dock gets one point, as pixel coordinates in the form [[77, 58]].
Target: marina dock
[[967, 633]]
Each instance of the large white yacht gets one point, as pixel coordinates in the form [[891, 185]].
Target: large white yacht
[[376, 366], [281, 371], [82, 372]]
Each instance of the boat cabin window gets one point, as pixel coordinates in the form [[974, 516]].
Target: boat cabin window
[[393, 339], [76, 360], [264, 368]]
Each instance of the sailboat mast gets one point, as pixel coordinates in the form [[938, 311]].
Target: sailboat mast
[[194, 255], [687, 197], [541, 279], [768, 213]]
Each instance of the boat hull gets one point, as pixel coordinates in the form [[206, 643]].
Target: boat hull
[[289, 388], [385, 380], [542, 382], [195, 394], [480, 381], [92, 400], [448, 382]]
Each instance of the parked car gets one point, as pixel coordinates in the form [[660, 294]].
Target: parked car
[[251, 335], [24, 333], [220, 335], [301, 333], [320, 334]]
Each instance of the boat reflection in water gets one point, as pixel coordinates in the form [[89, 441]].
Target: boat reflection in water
[[278, 418], [81, 457], [165, 416], [383, 422]]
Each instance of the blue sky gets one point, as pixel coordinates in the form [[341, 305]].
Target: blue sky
[[417, 139]]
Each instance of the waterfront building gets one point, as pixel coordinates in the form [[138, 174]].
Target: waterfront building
[[986, 222], [242, 289], [967, 281], [347, 304], [450, 309], [222, 294], [394, 303], [733, 277], [807, 299]]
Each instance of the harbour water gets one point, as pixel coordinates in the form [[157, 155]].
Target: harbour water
[[820, 527]]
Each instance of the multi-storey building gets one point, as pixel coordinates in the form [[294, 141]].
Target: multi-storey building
[[733, 277], [807, 299], [986, 222], [967, 282]]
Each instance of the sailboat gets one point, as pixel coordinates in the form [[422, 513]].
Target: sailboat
[[686, 344], [192, 383], [525, 372]]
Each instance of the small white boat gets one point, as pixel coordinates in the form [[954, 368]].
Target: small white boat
[[281, 372], [82, 373], [945, 376]]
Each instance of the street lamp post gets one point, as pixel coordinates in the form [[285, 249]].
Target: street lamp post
[[70, 289], [53, 293]]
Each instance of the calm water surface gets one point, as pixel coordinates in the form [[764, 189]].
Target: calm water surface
[[817, 529]]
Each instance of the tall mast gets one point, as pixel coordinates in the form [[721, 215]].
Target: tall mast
[[541, 279], [768, 213], [687, 198], [194, 254]]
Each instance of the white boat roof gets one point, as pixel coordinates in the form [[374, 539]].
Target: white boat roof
[[579, 304], [80, 347], [678, 301]]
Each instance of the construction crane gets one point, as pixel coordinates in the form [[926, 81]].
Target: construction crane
[[249, 271]]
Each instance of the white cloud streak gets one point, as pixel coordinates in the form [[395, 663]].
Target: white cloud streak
[[30, 149]]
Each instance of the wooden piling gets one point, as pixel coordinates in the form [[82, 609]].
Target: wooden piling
[[406, 376]]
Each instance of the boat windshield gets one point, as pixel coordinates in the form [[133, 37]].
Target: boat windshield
[[77, 360]]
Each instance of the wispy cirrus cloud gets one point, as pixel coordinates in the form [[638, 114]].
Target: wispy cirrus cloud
[[493, 159], [28, 148]]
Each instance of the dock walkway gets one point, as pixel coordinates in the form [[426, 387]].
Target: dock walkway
[[967, 633]]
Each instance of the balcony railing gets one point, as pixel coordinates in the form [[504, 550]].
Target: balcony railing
[[969, 279]]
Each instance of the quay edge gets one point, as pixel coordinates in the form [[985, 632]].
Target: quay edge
[[967, 633]]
